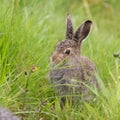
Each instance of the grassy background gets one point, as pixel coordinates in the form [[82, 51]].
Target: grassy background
[[29, 31]]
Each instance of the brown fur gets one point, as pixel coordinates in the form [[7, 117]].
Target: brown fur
[[71, 71]]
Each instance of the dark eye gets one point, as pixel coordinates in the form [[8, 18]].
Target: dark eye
[[67, 51]]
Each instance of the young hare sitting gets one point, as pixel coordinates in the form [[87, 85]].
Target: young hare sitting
[[72, 73]]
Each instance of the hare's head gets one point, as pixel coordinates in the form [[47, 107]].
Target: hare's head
[[71, 45]]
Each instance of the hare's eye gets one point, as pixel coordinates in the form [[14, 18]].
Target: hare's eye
[[67, 51]]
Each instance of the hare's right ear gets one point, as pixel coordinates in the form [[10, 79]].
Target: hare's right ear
[[82, 32], [69, 28]]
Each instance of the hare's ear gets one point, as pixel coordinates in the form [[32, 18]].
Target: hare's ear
[[82, 32], [69, 28]]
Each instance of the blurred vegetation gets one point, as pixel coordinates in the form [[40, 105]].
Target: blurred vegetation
[[29, 31]]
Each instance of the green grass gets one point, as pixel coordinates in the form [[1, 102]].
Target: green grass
[[29, 31]]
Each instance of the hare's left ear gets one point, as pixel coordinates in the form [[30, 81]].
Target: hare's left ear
[[82, 32], [69, 28]]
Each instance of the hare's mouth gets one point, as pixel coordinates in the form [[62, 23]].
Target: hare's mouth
[[53, 63], [58, 62]]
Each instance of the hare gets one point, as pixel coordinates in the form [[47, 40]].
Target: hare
[[71, 72], [5, 114]]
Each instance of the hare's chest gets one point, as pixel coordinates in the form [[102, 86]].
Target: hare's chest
[[66, 76]]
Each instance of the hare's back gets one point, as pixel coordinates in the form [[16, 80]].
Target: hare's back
[[87, 64]]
